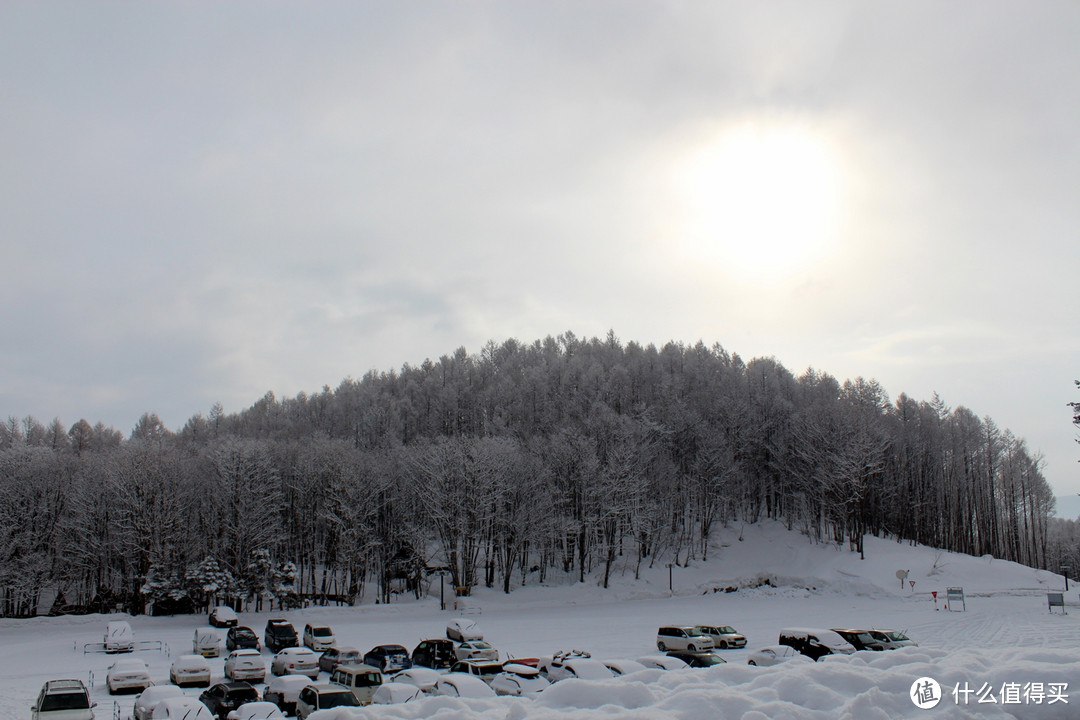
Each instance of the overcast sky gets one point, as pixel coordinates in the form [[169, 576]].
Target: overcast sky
[[205, 201]]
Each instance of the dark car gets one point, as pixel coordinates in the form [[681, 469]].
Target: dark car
[[698, 659], [437, 654], [339, 656], [225, 697], [388, 658], [860, 639], [279, 634], [238, 638]]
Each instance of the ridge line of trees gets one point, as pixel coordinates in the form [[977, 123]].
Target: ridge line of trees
[[505, 467]]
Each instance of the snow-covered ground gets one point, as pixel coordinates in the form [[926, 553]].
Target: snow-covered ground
[[1006, 646]]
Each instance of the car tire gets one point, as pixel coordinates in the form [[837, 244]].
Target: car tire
[[691, 647], [661, 647], [751, 662]]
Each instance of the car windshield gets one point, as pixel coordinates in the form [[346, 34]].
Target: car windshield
[[243, 633], [65, 701], [321, 632], [703, 660], [896, 635], [727, 630], [864, 637], [243, 695], [337, 699]]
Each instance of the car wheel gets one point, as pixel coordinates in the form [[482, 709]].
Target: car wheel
[[691, 647], [751, 662], [661, 647], [723, 644]]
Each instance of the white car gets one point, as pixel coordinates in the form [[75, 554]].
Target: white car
[[223, 616], [246, 664], [206, 642], [418, 676], [774, 655], [892, 639], [63, 700], [150, 697], [256, 711], [476, 650], [462, 630], [284, 691], [394, 693], [190, 670], [623, 667], [119, 637], [321, 696], [128, 674], [518, 680], [318, 637], [682, 637], [462, 685], [663, 662], [181, 708], [573, 664], [723, 636], [296, 661]]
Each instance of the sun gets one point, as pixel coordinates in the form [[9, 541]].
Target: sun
[[761, 200]]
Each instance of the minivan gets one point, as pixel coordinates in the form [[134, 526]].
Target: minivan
[[362, 680], [687, 637]]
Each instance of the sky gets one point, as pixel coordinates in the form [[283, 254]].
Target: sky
[[203, 201]]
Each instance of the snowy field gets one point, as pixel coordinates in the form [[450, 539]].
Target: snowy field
[[1005, 647]]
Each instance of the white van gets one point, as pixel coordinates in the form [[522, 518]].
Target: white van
[[362, 680], [119, 637], [206, 642], [63, 700]]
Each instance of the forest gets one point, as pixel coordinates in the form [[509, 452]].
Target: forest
[[559, 460]]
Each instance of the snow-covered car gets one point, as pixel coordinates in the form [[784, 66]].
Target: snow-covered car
[[190, 670], [662, 662], [260, 710], [245, 665], [240, 637], [476, 650], [394, 693], [119, 637], [681, 637], [63, 700], [620, 666], [860, 639], [573, 664], [388, 658], [181, 708], [296, 661], [893, 639], [421, 677], [206, 642], [340, 656], [774, 655], [128, 674], [321, 696], [699, 659], [462, 685], [518, 680], [815, 642], [360, 680], [318, 637], [283, 691], [224, 697], [150, 697], [482, 669], [435, 653], [462, 630], [223, 616], [723, 636]]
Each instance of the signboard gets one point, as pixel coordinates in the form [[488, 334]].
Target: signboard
[[1056, 600], [954, 599]]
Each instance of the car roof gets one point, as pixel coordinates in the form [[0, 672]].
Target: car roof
[[64, 686], [328, 688]]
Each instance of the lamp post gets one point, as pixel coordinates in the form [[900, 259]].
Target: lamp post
[[669, 584], [1065, 573]]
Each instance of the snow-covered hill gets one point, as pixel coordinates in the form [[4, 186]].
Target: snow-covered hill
[[1005, 639]]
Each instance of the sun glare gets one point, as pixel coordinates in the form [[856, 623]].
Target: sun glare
[[761, 201]]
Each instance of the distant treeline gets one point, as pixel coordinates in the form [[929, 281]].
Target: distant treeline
[[503, 468]]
